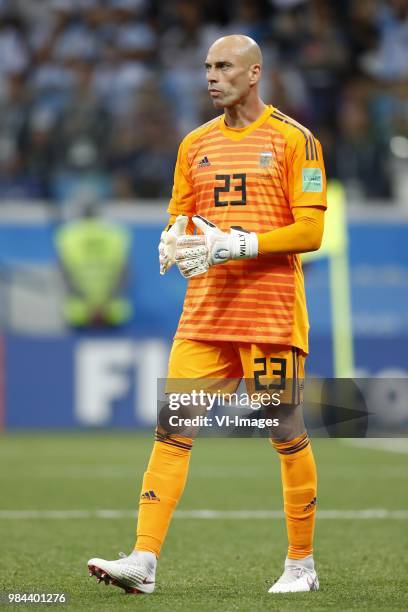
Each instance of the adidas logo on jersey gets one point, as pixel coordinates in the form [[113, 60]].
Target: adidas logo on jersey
[[151, 495], [204, 162]]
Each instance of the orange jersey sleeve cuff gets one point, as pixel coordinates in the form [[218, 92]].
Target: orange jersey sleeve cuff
[[304, 235]]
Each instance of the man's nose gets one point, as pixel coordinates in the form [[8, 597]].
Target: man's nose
[[212, 76]]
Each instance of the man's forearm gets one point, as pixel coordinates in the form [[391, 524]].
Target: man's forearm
[[302, 236]]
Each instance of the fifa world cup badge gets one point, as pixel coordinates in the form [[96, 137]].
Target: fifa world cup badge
[[265, 159]]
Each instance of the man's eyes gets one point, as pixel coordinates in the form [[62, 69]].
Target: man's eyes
[[221, 66]]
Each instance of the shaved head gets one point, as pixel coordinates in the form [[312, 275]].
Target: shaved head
[[233, 66], [239, 46]]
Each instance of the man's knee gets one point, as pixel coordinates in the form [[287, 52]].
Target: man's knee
[[290, 423]]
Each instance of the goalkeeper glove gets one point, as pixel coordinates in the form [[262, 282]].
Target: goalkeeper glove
[[194, 254], [168, 242]]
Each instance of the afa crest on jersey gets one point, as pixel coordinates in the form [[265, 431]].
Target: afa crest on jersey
[[266, 159]]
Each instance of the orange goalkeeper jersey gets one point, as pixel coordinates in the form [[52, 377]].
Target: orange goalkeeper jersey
[[251, 177]]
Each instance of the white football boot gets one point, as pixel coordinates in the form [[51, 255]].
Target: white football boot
[[135, 573], [299, 576]]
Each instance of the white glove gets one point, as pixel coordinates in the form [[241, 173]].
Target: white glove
[[168, 242], [194, 254]]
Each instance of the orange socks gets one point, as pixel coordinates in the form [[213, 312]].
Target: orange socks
[[163, 485], [299, 481], [166, 475]]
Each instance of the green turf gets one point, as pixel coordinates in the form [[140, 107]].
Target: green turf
[[206, 564]]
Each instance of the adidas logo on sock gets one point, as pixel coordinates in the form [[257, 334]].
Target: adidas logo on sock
[[204, 162], [310, 505], [151, 495]]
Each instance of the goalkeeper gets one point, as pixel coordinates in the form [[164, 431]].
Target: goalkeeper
[[249, 195]]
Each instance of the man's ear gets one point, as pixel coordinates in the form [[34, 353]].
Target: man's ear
[[254, 73]]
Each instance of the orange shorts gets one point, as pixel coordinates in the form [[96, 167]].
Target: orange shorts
[[266, 368]]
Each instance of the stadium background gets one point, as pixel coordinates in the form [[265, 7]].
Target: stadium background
[[95, 96]]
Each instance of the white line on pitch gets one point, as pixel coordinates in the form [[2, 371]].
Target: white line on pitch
[[370, 513], [391, 445]]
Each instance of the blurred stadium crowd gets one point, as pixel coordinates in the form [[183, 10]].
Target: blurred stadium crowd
[[96, 94]]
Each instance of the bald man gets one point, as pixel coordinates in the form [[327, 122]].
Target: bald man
[[244, 312]]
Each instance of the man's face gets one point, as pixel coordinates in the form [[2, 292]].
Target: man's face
[[228, 76]]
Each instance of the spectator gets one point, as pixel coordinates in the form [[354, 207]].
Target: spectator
[[182, 48], [38, 149], [360, 156], [81, 140], [144, 148], [389, 60]]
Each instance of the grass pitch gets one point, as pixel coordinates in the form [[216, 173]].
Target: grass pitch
[[225, 563]]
